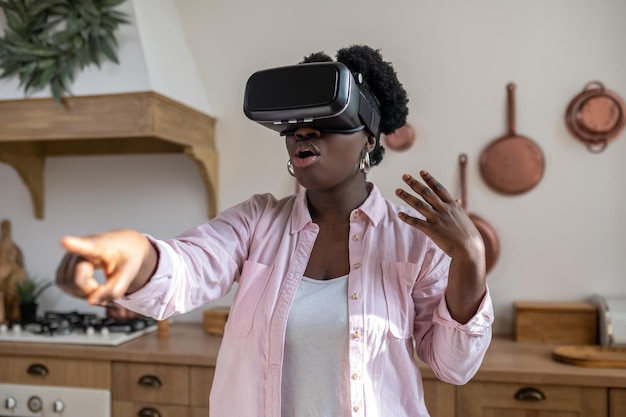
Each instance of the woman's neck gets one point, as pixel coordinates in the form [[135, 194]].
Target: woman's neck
[[335, 205]]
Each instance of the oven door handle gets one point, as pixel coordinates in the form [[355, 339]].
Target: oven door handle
[[37, 369]]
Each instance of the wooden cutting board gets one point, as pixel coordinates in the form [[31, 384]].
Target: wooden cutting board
[[591, 355]]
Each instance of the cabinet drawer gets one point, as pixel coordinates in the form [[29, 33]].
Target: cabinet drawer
[[617, 400], [129, 409], [201, 382], [55, 371], [493, 399], [158, 384], [439, 398]]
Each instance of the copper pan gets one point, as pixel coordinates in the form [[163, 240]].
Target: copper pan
[[596, 116], [512, 164], [487, 232], [401, 139]]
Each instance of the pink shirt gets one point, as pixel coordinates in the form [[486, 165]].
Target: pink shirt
[[396, 304]]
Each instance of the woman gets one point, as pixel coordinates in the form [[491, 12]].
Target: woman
[[338, 288]]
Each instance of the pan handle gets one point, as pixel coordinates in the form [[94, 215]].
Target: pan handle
[[591, 85], [463, 164], [593, 148], [510, 89]]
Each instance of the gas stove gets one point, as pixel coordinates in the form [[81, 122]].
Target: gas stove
[[77, 328]]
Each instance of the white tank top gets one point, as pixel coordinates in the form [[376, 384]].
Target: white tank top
[[316, 344]]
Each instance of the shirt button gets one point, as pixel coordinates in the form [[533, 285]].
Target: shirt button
[[356, 265], [356, 376], [356, 295], [355, 238], [356, 214], [356, 408], [356, 334]]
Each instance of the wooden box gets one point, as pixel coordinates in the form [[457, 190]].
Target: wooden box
[[572, 323], [214, 320]]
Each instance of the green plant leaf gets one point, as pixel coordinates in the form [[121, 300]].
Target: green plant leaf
[[47, 41], [42, 6], [15, 22], [107, 45], [111, 3]]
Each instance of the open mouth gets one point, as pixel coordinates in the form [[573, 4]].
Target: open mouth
[[304, 156], [305, 150], [305, 153]]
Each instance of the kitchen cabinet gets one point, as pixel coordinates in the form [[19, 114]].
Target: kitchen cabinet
[[439, 398], [154, 390], [617, 402], [184, 363], [483, 399], [47, 371]]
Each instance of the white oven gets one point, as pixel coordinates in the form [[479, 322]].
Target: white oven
[[44, 401]]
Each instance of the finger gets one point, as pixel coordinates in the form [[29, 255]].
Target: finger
[[85, 246], [437, 187], [417, 203], [65, 274], [107, 292], [428, 194], [413, 221], [423, 190], [84, 277], [115, 287], [75, 276], [60, 272]]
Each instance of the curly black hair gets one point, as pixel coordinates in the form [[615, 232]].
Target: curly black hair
[[382, 80]]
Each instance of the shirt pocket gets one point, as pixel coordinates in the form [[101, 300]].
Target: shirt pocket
[[252, 282], [398, 281]]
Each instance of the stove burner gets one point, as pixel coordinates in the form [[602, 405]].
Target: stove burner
[[62, 323]]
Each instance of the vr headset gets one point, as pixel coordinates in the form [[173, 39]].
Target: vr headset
[[323, 95]]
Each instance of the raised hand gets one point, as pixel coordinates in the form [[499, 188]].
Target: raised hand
[[126, 257], [448, 225], [446, 222]]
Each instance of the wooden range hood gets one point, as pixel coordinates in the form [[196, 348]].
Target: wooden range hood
[[128, 123]]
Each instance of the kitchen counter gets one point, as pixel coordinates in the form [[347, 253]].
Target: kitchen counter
[[188, 344], [184, 362], [526, 363]]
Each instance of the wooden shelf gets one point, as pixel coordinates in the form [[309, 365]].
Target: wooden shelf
[[129, 123]]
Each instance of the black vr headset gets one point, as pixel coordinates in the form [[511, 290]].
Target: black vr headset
[[323, 95]]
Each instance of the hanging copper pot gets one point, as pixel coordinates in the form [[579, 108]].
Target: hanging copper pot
[[512, 164], [401, 139], [595, 116]]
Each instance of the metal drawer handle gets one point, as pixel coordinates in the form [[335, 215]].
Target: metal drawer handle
[[149, 381], [529, 394], [37, 369], [148, 412]]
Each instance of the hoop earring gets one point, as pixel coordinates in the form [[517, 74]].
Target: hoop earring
[[290, 168], [364, 163]]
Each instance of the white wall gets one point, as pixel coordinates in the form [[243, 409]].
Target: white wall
[[563, 240]]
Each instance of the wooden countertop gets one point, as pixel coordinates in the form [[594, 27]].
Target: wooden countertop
[[526, 362], [188, 344]]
